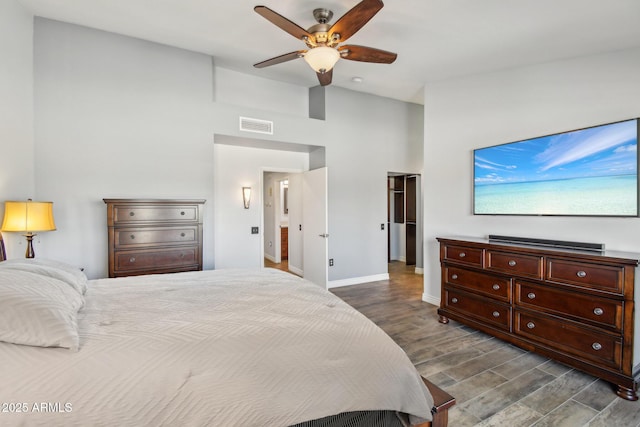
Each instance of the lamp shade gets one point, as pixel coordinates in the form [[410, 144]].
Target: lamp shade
[[28, 216], [322, 58]]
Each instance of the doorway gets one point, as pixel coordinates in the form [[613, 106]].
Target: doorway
[[295, 221], [404, 224]]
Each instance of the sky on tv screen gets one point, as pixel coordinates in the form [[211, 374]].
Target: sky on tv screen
[[585, 172], [600, 151]]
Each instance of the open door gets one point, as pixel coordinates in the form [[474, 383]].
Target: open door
[[315, 226]]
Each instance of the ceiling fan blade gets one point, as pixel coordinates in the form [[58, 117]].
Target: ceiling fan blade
[[355, 19], [280, 59], [282, 22], [325, 78], [366, 54]]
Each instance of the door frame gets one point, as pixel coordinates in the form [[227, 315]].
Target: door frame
[[264, 170]]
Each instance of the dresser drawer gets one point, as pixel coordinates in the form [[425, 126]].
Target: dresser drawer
[[517, 264], [592, 276], [141, 237], [586, 343], [598, 311], [481, 308], [123, 214], [463, 255], [126, 261], [487, 284]]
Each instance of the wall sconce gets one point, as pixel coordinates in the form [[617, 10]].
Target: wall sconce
[[28, 217], [246, 196]]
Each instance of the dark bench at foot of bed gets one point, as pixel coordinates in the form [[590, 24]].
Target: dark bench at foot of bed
[[442, 401]]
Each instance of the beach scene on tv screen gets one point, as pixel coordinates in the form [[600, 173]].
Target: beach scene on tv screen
[[591, 171]]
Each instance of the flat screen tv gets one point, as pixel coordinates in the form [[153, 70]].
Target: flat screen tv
[[585, 172]]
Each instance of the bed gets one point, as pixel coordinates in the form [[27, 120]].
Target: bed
[[219, 348]]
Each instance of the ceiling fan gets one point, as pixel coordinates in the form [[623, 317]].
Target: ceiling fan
[[323, 40]]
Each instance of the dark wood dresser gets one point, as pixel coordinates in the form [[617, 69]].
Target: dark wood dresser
[[148, 236], [573, 306]]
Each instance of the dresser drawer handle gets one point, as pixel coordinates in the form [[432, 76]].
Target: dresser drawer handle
[[496, 314], [132, 259], [132, 213], [596, 346], [531, 325], [454, 300], [531, 295], [181, 234], [581, 273], [454, 276], [462, 255], [496, 287], [182, 213], [512, 263], [133, 236], [598, 311], [182, 255]]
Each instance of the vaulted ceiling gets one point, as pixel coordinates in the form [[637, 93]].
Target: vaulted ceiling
[[434, 39]]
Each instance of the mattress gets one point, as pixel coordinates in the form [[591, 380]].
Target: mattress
[[220, 348]]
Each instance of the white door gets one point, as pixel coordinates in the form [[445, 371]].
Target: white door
[[315, 226]]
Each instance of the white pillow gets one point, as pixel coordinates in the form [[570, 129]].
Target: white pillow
[[38, 310], [47, 267]]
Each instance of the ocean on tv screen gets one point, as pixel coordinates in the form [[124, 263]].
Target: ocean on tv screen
[[591, 171]]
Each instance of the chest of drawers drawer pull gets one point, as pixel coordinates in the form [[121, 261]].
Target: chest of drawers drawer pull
[[581, 274], [182, 234], [132, 259], [496, 287], [464, 255], [454, 300], [454, 277], [132, 213], [598, 311], [133, 236], [182, 213], [531, 295], [496, 314], [596, 346], [531, 325], [510, 263]]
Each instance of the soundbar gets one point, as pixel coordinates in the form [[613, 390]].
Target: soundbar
[[560, 244]]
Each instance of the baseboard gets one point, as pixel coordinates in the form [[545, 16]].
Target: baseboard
[[431, 300], [270, 257], [357, 280], [296, 271], [420, 271]]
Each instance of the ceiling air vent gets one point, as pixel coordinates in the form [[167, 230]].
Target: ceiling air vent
[[256, 125]]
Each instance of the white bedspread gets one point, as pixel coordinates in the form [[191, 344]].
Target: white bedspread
[[218, 348]]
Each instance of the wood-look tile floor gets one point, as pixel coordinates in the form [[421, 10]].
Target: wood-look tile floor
[[494, 383]]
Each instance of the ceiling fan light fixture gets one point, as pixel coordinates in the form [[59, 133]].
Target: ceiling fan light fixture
[[322, 58]]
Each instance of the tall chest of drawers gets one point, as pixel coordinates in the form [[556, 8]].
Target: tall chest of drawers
[[148, 236], [576, 307]]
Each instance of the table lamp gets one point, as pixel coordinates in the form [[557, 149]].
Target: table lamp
[[28, 217]]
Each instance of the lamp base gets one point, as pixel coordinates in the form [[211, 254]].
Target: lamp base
[[30, 252]]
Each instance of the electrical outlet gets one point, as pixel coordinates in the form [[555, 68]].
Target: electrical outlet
[[255, 230], [330, 262]]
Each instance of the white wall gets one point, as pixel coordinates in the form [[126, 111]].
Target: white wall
[[235, 167], [510, 105], [370, 136], [116, 117], [242, 89], [17, 181]]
